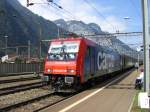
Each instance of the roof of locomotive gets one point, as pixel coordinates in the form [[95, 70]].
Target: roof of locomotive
[[65, 39], [86, 40]]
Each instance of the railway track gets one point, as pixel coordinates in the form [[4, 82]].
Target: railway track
[[39, 103], [18, 104], [34, 104], [18, 79], [22, 84], [23, 87], [17, 74], [52, 103], [18, 83], [13, 84]]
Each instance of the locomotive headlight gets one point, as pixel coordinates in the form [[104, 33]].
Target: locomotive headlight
[[49, 70], [71, 71]]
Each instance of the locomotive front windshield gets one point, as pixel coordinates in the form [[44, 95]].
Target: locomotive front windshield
[[63, 51]]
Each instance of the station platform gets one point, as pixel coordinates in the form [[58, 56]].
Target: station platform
[[113, 96]]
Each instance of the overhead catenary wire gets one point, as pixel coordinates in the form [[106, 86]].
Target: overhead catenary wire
[[64, 11], [56, 6], [101, 15], [118, 34], [58, 13]]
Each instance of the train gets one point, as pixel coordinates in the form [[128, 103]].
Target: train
[[72, 62]]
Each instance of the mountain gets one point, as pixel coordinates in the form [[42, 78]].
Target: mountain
[[79, 27], [94, 32], [95, 28], [21, 25]]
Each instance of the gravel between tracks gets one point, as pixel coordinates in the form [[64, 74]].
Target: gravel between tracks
[[38, 104], [21, 96]]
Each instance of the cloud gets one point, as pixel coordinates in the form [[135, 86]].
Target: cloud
[[78, 10], [87, 14]]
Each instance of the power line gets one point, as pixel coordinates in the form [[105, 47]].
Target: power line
[[57, 12], [118, 34], [64, 10], [54, 5], [100, 14], [70, 13]]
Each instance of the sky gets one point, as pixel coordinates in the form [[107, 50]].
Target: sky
[[108, 14]]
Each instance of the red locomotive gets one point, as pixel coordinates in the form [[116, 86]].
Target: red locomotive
[[72, 62]]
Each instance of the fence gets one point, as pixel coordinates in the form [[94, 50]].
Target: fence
[[14, 68]]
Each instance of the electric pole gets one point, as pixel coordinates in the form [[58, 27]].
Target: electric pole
[[17, 51], [146, 45], [6, 46], [40, 44], [29, 45]]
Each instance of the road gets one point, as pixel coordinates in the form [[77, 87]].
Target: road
[[115, 96]]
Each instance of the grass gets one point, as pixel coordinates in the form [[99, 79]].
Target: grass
[[135, 107]]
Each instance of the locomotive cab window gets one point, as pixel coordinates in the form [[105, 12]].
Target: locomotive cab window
[[63, 51]]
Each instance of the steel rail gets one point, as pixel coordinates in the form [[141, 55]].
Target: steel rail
[[18, 104], [23, 87], [18, 79]]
